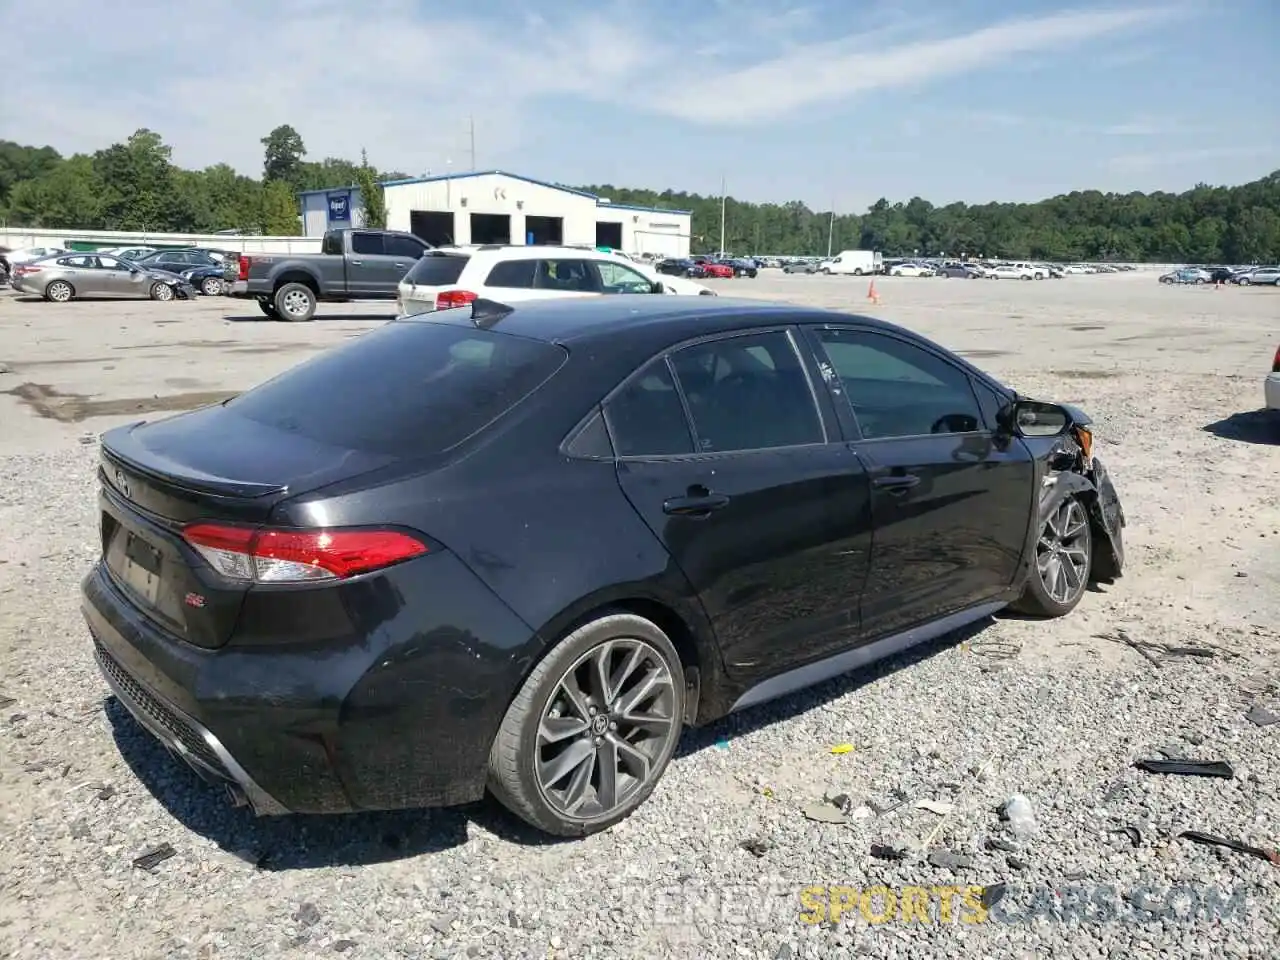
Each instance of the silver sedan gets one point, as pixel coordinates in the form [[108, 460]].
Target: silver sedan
[[68, 275]]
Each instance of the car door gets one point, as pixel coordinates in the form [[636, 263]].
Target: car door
[[403, 252], [723, 450], [951, 498], [372, 271], [115, 276], [78, 270], [615, 278]]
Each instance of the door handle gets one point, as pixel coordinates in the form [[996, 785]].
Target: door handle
[[400, 266], [694, 504], [356, 263], [898, 483]]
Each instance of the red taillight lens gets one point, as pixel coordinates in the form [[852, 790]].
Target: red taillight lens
[[1275, 364], [267, 555], [448, 299], [23, 270], [244, 267]]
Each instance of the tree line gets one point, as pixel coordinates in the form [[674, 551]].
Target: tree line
[[134, 185]]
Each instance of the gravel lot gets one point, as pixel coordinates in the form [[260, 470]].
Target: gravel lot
[[1050, 710]]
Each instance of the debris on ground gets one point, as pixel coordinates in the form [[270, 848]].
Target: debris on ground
[[1260, 716], [106, 792], [1120, 636], [1188, 768], [756, 846], [1016, 863], [823, 812], [6, 702], [1208, 839], [934, 806], [1133, 833], [842, 748], [882, 851], [949, 860], [152, 857], [342, 946], [993, 894], [1200, 653], [1018, 814], [307, 914], [999, 843], [880, 809]]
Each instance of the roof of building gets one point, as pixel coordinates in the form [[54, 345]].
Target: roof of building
[[353, 188], [515, 176]]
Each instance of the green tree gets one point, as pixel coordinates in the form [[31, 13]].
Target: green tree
[[279, 210], [137, 184], [67, 197], [283, 150], [372, 202]]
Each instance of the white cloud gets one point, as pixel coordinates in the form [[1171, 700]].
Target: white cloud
[[838, 69], [214, 78], [1138, 162]]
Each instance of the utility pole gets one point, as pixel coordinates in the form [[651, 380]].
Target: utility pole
[[831, 229], [722, 194], [471, 123]]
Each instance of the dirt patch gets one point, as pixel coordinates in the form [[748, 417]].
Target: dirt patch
[[277, 348], [194, 344], [1087, 327], [983, 354], [51, 404], [1089, 374]]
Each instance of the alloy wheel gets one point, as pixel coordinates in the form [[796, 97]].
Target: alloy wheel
[[605, 728], [162, 292], [295, 303], [59, 292], [211, 287], [1062, 553]]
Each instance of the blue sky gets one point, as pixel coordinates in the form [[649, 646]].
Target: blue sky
[[827, 102]]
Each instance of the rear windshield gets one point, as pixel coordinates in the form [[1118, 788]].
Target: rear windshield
[[405, 389], [436, 269]]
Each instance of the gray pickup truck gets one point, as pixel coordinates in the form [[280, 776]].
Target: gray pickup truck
[[352, 264]]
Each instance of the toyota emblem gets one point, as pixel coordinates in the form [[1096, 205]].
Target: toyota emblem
[[122, 482]]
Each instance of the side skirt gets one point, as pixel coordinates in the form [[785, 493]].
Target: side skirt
[[869, 653]]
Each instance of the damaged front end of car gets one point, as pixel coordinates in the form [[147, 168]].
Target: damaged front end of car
[[1073, 470]]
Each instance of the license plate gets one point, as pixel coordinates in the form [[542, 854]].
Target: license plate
[[142, 568]]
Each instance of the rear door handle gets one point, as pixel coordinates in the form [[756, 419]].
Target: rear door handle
[[401, 266], [694, 505], [898, 483], [356, 263]]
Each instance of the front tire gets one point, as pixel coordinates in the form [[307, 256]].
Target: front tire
[[162, 292], [211, 286], [1063, 562], [592, 729]]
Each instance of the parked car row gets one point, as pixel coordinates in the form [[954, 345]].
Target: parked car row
[[1241, 276], [698, 267], [133, 272]]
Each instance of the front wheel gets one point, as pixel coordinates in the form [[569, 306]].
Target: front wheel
[[1063, 563], [1244, 281], [592, 729], [162, 292], [211, 286]]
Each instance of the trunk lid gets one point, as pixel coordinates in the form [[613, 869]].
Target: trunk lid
[[210, 464]]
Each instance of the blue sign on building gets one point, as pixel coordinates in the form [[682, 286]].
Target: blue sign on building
[[340, 207]]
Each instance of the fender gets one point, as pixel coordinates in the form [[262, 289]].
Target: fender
[[1102, 505]]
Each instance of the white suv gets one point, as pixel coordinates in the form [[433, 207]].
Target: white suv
[[454, 276]]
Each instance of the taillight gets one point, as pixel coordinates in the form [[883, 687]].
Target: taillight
[[1275, 364], [276, 555], [1084, 437], [244, 267], [23, 270], [448, 299]]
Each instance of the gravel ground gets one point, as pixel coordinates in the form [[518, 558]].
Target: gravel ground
[[1048, 710]]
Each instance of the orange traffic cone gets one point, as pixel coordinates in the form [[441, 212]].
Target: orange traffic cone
[[871, 293]]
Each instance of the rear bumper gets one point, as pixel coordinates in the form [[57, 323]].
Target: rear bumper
[[378, 708], [239, 288], [1271, 391]]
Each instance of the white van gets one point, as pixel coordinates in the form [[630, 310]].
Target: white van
[[854, 262]]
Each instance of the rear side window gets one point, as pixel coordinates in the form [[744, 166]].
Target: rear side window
[[646, 417], [512, 274], [405, 389], [332, 243], [436, 269], [407, 247]]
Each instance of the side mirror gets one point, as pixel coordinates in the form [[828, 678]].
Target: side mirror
[[1034, 419], [657, 287]]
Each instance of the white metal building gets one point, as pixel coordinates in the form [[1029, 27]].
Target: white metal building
[[497, 207]]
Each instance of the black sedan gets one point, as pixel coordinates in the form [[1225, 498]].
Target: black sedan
[[681, 267], [521, 548], [965, 271]]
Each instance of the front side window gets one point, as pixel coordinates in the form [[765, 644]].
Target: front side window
[[748, 393], [897, 389], [615, 278], [366, 244]]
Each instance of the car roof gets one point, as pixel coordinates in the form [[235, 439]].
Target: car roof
[[580, 321]]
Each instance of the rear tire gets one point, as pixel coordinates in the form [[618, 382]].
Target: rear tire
[[1063, 563], [295, 302], [59, 291], [211, 286], [565, 729]]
